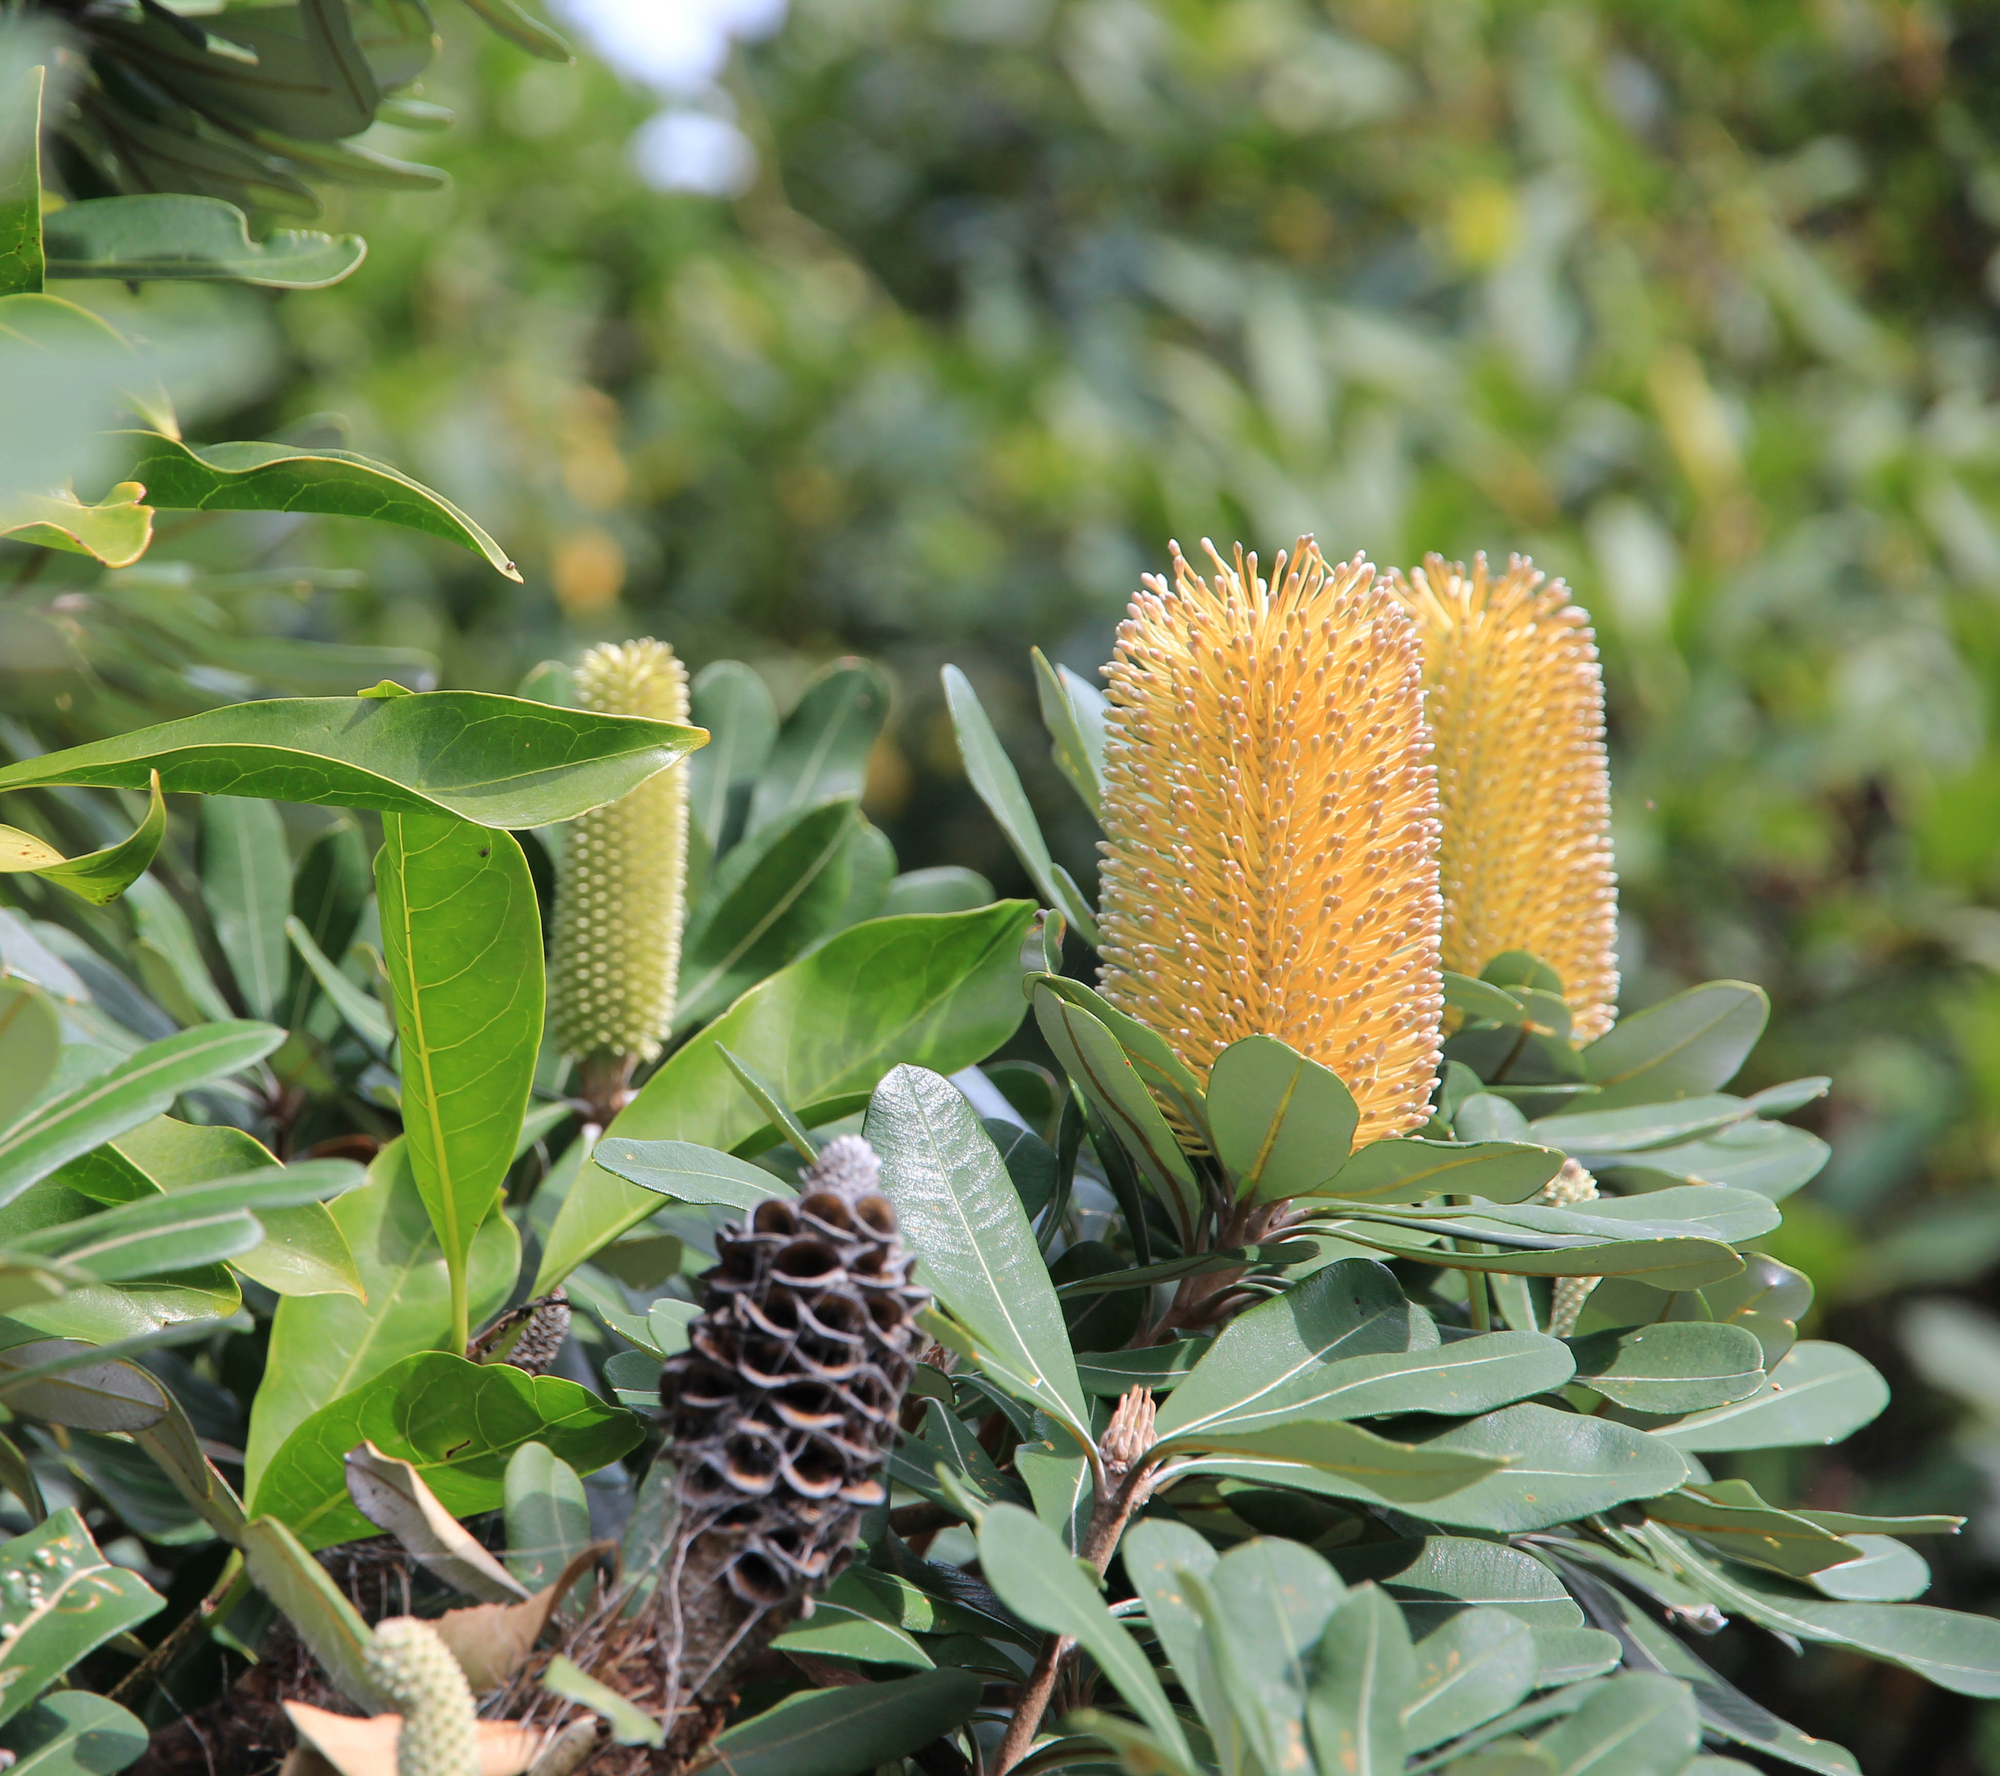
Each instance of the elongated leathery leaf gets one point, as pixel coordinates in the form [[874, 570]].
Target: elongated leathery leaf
[[246, 881], [174, 234], [100, 876], [463, 942], [1682, 1047], [61, 1599], [1820, 1393], [1281, 1123], [496, 760], [73, 1733], [962, 1217], [834, 1732], [1367, 1677], [1640, 1725], [938, 990]]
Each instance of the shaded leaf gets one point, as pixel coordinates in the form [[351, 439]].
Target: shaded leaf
[[60, 1599], [836, 1732], [1367, 1677], [179, 235]]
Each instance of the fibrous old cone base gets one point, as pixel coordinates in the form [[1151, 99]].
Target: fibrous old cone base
[[1270, 818], [1516, 700]]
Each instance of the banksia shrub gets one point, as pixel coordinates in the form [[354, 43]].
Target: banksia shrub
[[781, 1411], [416, 1671], [1270, 818], [1516, 700], [615, 960]]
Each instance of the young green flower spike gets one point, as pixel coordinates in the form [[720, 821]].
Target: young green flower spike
[[1517, 702], [416, 1671], [1270, 820], [616, 956]]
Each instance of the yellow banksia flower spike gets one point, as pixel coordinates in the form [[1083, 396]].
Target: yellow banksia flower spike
[[1516, 700], [1270, 819], [615, 959]]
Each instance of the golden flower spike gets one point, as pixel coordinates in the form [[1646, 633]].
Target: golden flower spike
[[1517, 704], [1270, 812], [614, 966]]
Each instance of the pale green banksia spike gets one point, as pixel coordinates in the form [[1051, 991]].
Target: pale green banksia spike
[[416, 1671], [1570, 1185], [616, 958]]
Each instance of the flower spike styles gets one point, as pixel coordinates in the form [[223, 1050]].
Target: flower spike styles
[[616, 956], [1517, 704], [1270, 812]]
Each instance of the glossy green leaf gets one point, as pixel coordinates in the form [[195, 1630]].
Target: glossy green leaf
[[1412, 1170], [998, 784], [1883, 1571], [136, 1090], [99, 877], [73, 1733], [1367, 1677], [848, 1622], [685, 1172], [1820, 1393], [1639, 1127], [117, 529], [1073, 713], [836, 1732], [1681, 1366], [462, 938], [330, 890], [169, 958], [30, 1035], [246, 880], [1560, 1465], [287, 478], [1481, 999], [939, 991], [1438, 1577], [1639, 1725], [178, 235], [495, 760], [1767, 1301], [1687, 1211], [60, 1599], [822, 750], [1036, 1577], [1159, 1367], [735, 705], [21, 249], [1478, 1664], [1341, 1460], [771, 1101], [1682, 1047], [456, 1422], [1281, 1123], [326, 1346], [961, 1217], [772, 897], [1160, 1070]]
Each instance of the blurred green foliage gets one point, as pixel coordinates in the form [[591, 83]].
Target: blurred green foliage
[[1694, 301]]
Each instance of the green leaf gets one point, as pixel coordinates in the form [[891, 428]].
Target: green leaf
[[1282, 1124], [99, 877], [246, 880], [822, 750], [1883, 1571], [21, 250], [1560, 1465], [1481, 999], [456, 1422], [1367, 1677], [1040, 1582], [998, 785], [1477, 1665], [136, 1090], [849, 1622], [629, 1725], [60, 1599], [1638, 1725], [1771, 1158], [283, 1569], [326, 1346], [1158, 1367], [1073, 713], [495, 760], [330, 890], [462, 938], [1794, 1094], [117, 530], [947, 889], [361, 1011], [1087, 1051], [771, 1101], [169, 958], [1411, 1169], [1160, 1070], [547, 1514], [1341, 1460], [1730, 1517], [685, 1172], [522, 29], [1680, 1366], [1639, 1127], [1157, 1553], [1767, 1301], [961, 1217], [1572, 1655], [30, 1035], [1437, 1577], [769, 900], [1681, 1048], [73, 1733], [1820, 1393], [837, 1732], [84, 1386], [734, 704], [179, 235], [1665, 1263], [939, 991]]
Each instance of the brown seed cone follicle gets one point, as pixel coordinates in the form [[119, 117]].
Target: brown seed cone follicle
[[779, 1416], [1517, 703], [1270, 818]]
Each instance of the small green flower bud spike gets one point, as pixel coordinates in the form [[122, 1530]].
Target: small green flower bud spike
[[616, 959], [1570, 1185], [416, 1671]]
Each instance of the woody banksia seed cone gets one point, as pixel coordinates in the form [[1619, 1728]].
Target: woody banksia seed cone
[[1270, 818], [615, 959], [1517, 703], [780, 1413]]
